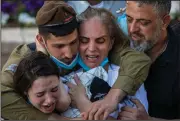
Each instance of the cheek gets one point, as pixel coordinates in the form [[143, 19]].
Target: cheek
[[52, 50], [82, 49], [36, 101], [75, 48], [148, 31], [56, 94], [57, 52], [104, 50]]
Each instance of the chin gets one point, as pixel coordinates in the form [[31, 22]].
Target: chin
[[46, 112], [92, 66]]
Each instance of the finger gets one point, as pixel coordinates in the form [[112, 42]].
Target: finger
[[70, 85], [128, 109], [98, 113], [106, 114], [137, 103], [84, 115], [91, 113], [77, 80], [125, 114]]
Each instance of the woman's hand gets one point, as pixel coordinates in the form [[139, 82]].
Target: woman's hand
[[78, 95], [64, 100]]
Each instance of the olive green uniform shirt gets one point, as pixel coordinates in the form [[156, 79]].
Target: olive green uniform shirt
[[134, 69]]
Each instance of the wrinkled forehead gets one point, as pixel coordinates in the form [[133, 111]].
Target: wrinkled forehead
[[140, 12], [93, 27], [44, 83]]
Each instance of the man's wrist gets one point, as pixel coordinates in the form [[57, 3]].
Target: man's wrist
[[115, 95]]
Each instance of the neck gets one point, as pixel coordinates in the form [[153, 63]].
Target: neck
[[159, 47]]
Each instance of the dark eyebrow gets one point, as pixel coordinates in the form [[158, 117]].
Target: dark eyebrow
[[55, 45], [144, 20], [75, 40], [139, 19]]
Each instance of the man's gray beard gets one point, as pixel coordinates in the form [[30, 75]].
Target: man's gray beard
[[143, 47], [146, 46]]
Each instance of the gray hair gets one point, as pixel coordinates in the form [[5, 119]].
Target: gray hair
[[110, 22], [160, 6]]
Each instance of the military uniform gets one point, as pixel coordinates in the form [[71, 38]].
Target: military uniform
[[134, 65]]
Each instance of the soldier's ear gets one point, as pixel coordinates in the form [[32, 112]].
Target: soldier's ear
[[40, 44], [39, 40]]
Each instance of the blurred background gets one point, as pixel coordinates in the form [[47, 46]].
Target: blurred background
[[18, 20]]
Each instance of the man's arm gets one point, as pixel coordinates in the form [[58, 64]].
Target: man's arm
[[134, 68]]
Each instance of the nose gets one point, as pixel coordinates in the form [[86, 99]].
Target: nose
[[68, 52], [92, 46], [133, 27], [49, 99]]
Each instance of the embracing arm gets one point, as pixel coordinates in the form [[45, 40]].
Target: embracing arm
[[134, 68]]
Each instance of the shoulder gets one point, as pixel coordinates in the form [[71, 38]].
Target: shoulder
[[17, 54], [129, 56], [10, 66], [134, 58]]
